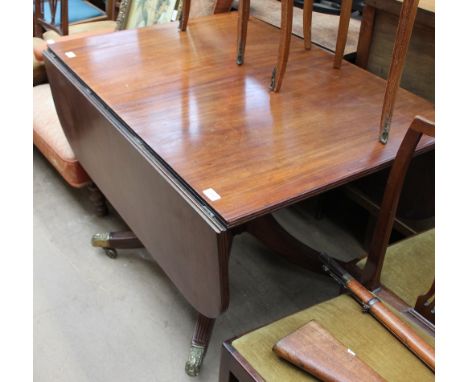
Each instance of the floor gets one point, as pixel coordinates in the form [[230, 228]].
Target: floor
[[324, 27], [98, 319]]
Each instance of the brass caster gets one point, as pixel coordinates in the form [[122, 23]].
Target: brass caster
[[273, 79], [193, 365], [101, 240], [111, 252]]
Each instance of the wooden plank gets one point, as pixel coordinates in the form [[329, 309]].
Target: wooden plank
[[217, 125]]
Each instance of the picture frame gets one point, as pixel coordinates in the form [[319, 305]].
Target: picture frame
[[142, 13]]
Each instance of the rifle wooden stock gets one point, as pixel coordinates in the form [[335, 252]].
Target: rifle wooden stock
[[394, 324], [315, 350]]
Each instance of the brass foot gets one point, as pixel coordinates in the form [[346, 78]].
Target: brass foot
[[193, 364], [385, 131], [101, 240], [273, 79]]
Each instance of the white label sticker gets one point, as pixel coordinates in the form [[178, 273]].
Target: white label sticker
[[50, 42], [351, 352], [211, 194], [70, 54]]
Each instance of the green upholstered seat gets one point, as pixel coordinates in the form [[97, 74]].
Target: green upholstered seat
[[344, 319], [409, 266]]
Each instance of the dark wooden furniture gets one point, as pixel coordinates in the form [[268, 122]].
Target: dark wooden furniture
[[194, 150], [379, 23], [239, 362], [58, 11]]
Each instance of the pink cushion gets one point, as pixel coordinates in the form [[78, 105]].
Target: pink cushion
[[49, 138]]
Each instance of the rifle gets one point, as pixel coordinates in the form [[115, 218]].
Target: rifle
[[315, 350], [384, 315]]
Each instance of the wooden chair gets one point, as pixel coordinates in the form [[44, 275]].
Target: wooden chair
[[60, 15], [403, 35], [250, 357], [407, 267]]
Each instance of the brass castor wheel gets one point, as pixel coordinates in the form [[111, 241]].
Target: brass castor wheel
[[110, 252], [102, 240]]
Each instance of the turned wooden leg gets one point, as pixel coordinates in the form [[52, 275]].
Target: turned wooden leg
[[98, 200], [307, 23], [111, 241], [200, 340], [274, 236], [242, 22], [285, 42], [408, 12], [345, 16], [185, 15]]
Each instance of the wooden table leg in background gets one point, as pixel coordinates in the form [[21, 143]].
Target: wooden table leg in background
[[274, 236], [365, 36]]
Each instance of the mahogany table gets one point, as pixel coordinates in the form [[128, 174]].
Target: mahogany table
[[192, 149]]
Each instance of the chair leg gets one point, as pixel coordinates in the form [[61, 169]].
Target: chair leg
[[307, 23], [98, 200], [242, 22], [111, 241], [185, 15], [345, 16], [408, 12], [200, 340], [287, 7], [425, 304]]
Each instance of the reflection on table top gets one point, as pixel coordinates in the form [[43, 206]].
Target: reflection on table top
[[218, 126]]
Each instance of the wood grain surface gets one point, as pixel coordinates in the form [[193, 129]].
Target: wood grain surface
[[191, 250], [315, 350], [217, 125]]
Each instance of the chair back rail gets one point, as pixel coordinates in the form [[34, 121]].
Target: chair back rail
[[39, 10], [381, 236], [59, 15]]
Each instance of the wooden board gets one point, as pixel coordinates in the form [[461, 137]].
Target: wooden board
[[377, 38], [216, 125]]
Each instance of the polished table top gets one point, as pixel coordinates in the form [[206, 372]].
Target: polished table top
[[217, 126]]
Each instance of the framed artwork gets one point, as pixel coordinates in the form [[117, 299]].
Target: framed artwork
[[143, 13]]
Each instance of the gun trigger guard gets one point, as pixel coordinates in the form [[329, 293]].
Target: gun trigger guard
[[365, 308]]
